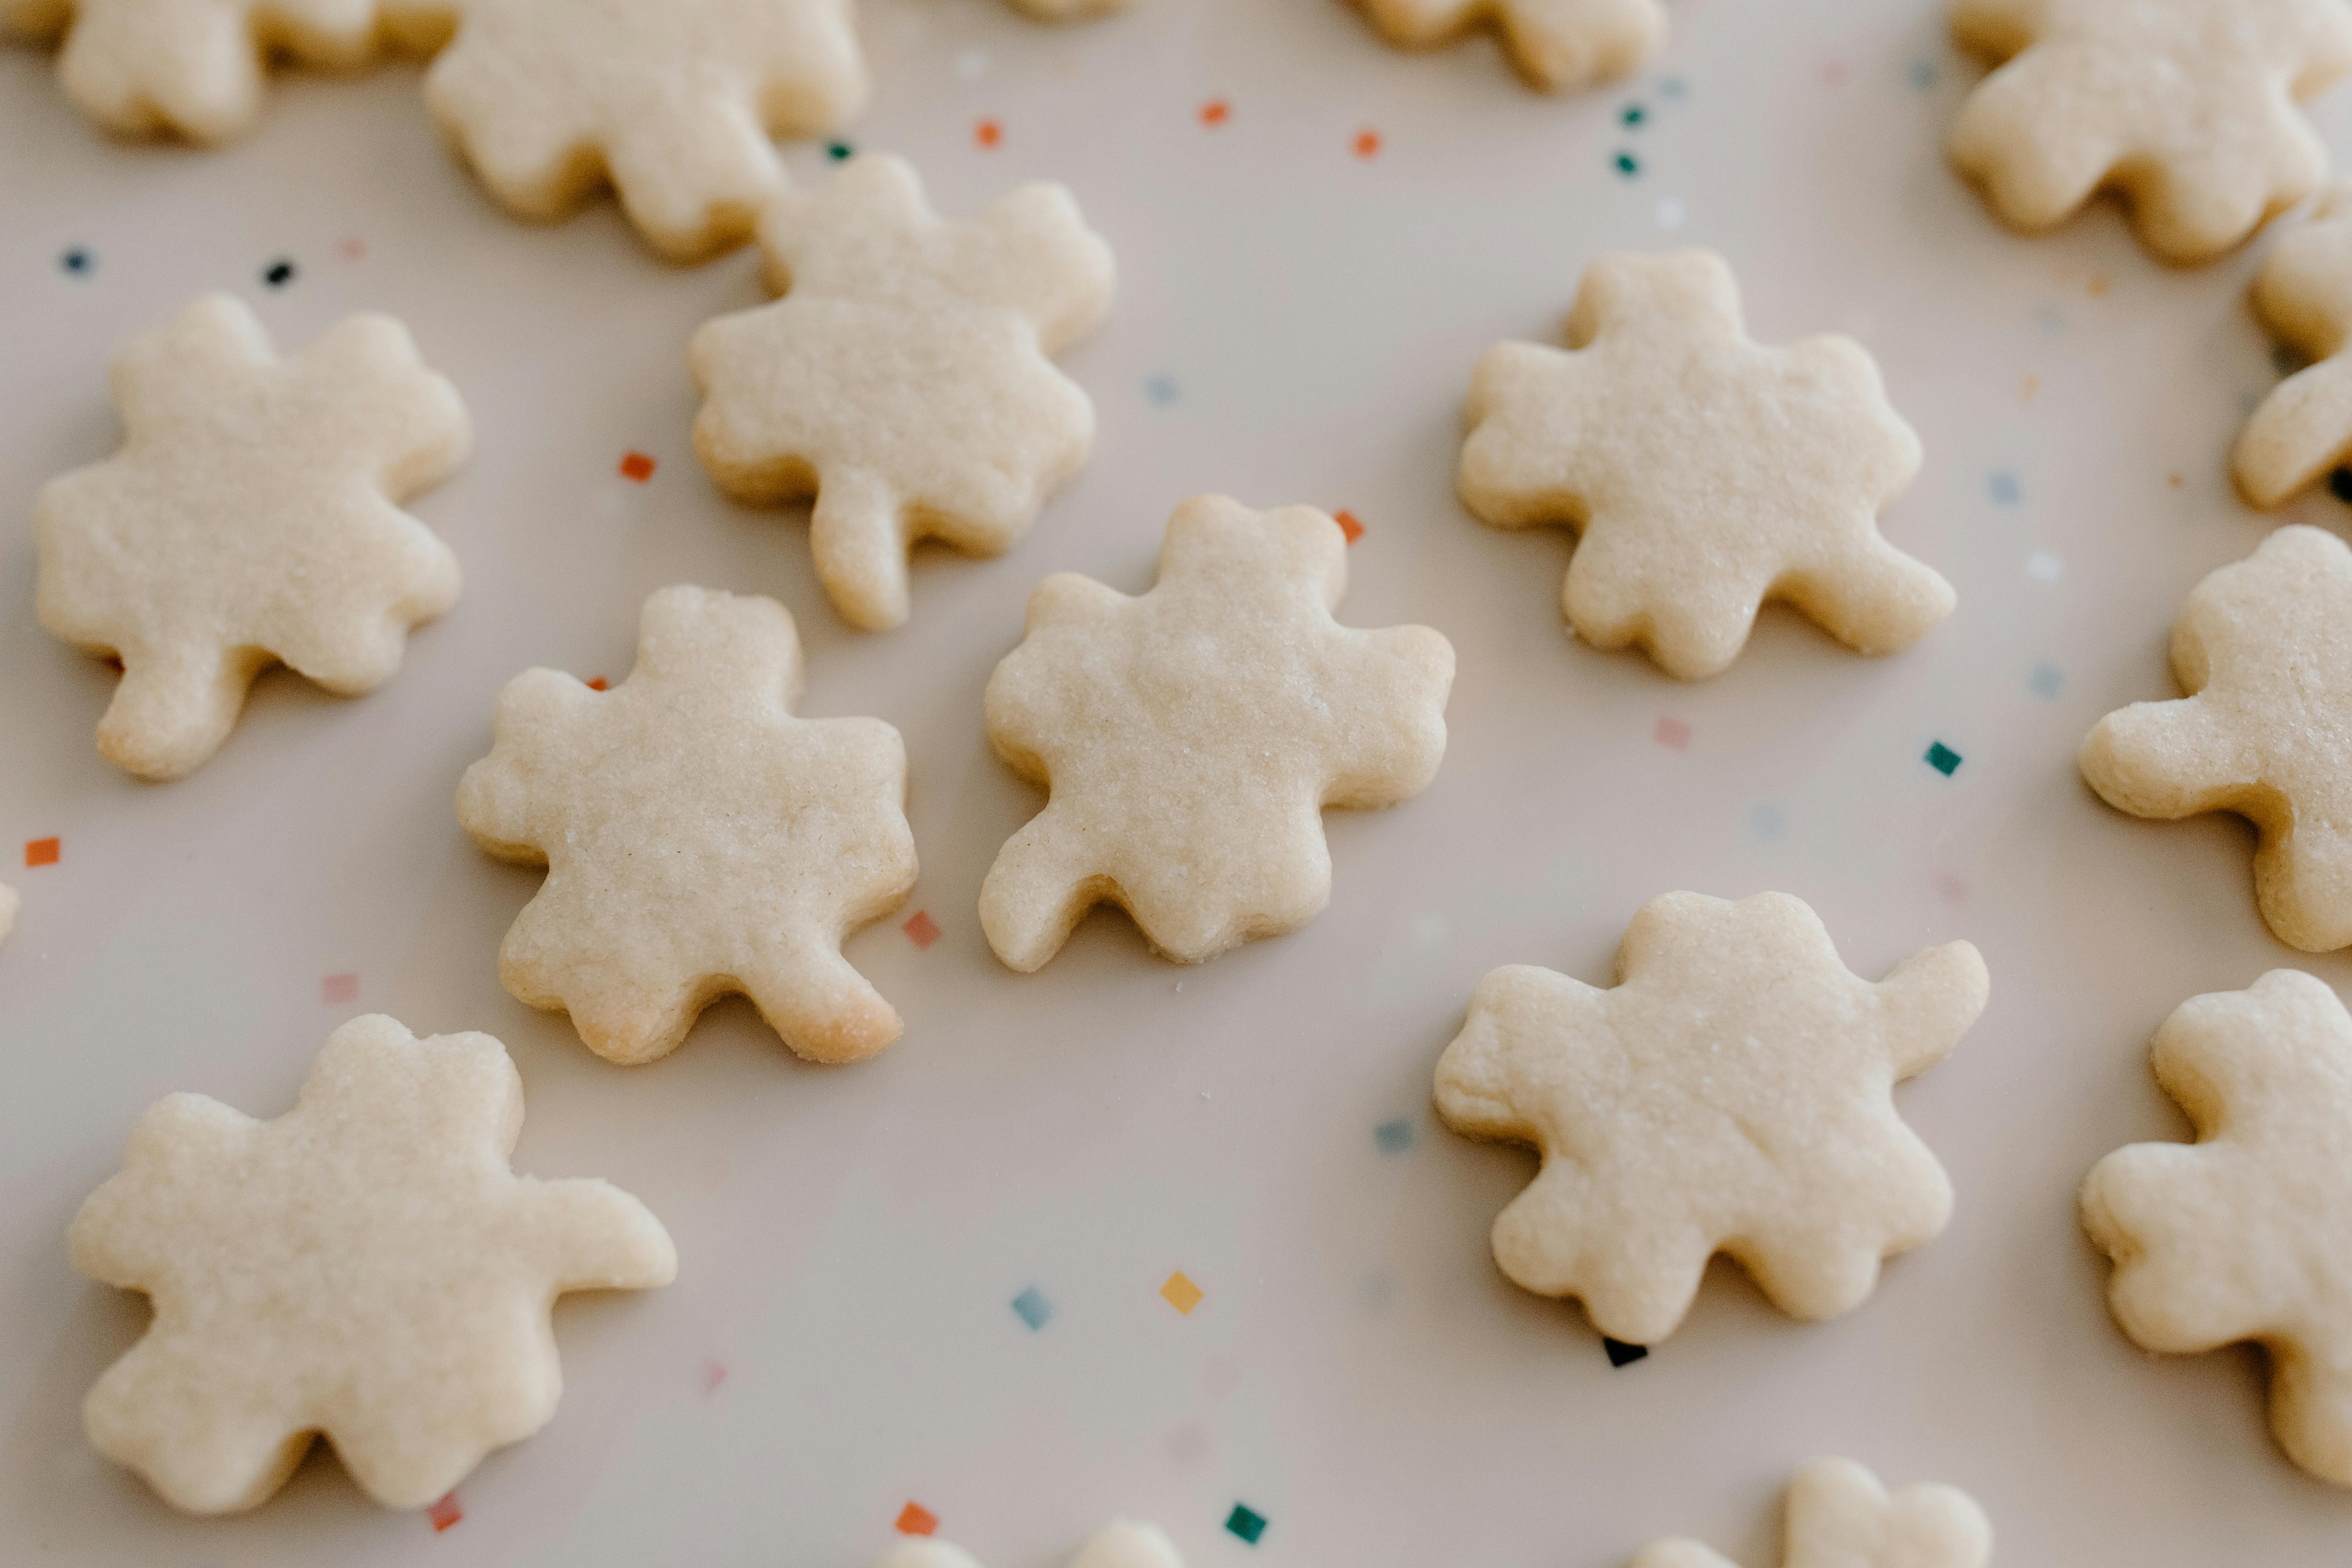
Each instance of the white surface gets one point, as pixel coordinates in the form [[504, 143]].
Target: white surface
[[850, 1238]]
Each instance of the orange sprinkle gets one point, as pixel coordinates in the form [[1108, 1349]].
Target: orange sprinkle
[[600, 684], [1216, 111], [42, 851], [987, 133], [2031, 385], [446, 1512], [1368, 143], [915, 1520], [636, 466], [2175, 481], [1348, 525]]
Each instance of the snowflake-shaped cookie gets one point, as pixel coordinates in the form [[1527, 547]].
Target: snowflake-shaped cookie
[[1561, 46], [1121, 1545], [1840, 1517], [2303, 431], [673, 103], [1733, 1093], [904, 379], [192, 66], [700, 839], [250, 518], [2263, 649], [364, 1266], [1192, 738], [2185, 107], [2241, 1235], [1703, 473]]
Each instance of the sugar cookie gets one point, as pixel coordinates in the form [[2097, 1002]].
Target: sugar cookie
[[2304, 293], [195, 67], [2240, 1236], [9, 904], [1840, 1517], [1122, 1546], [903, 379], [1561, 46], [674, 104], [1733, 1093], [1704, 473], [700, 839], [2263, 651], [250, 518], [2185, 107], [366, 1267], [1190, 739]]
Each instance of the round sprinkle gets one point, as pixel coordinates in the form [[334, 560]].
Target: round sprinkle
[[1628, 165], [1368, 143], [1216, 111], [987, 133], [278, 273]]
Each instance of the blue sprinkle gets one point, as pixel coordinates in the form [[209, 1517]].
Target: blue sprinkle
[[2050, 321], [1032, 1308], [1628, 165], [1160, 387], [2001, 485], [2047, 682], [1623, 1354], [1247, 1522], [1943, 759], [1767, 823], [78, 262], [1394, 1137], [1922, 75]]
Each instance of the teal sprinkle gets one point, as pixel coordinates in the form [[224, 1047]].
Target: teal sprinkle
[[1943, 759], [1247, 1522], [839, 152], [1628, 165]]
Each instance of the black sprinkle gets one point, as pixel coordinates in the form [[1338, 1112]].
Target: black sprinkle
[[1623, 1354], [78, 262], [278, 274], [2339, 485], [839, 152]]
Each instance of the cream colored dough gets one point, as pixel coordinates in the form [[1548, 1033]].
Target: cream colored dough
[[2240, 1236], [1703, 474], [1068, 10], [2303, 431], [1122, 1546], [2185, 107], [673, 104], [700, 839], [1192, 738], [1840, 1517], [250, 519], [2263, 650], [9, 904], [364, 1266], [904, 378], [1560, 46], [1733, 1093], [197, 68]]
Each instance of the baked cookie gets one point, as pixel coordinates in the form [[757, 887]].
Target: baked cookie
[[700, 839], [9, 904], [2185, 107], [196, 67], [1122, 1546], [2263, 650], [2240, 1236], [1704, 473], [365, 1267], [1840, 1517], [904, 378], [674, 104], [2303, 294], [1734, 1093], [1560, 46], [250, 518], [1191, 739]]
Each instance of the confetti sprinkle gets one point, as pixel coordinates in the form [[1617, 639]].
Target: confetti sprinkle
[[1627, 165], [1623, 1354], [1670, 213], [2044, 567], [1216, 111], [1161, 388], [1952, 888], [1181, 1293], [78, 262], [1767, 823], [2175, 482], [1189, 1444], [922, 930], [354, 249], [713, 1374], [1348, 524], [1394, 1137], [42, 851], [2050, 321], [600, 684], [2029, 388], [446, 1514], [1943, 759], [638, 468], [1922, 75], [2046, 681], [972, 64], [278, 273], [1672, 86], [2097, 286], [1833, 72], [840, 151], [915, 1520], [1247, 1522], [1368, 143], [1032, 1308], [1631, 115], [1672, 734], [2001, 485], [987, 133], [337, 989]]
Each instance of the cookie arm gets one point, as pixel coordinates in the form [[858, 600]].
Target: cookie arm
[[858, 533], [2166, 760], [1041, 883], [2303, 430], [1928, 1002]]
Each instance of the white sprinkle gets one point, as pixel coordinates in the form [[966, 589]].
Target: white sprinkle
[[1671, 213], [2044, 567], [972, 64]]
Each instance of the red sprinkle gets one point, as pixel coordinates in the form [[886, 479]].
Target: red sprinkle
[[636, 466], [600, 684], [713, 1374], [987, 133], [915, 1520], [1348, 525], [1216, 111], [42, 851], [1368, 143], [446, 1514], [1672, 734], [922, 930]]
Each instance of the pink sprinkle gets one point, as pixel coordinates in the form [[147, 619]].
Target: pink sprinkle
[[922, 930], [354, 249], [446, 1514], [337, 989], [1953, 890], [1833, 72], [713, 1374], [1672, 734]]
